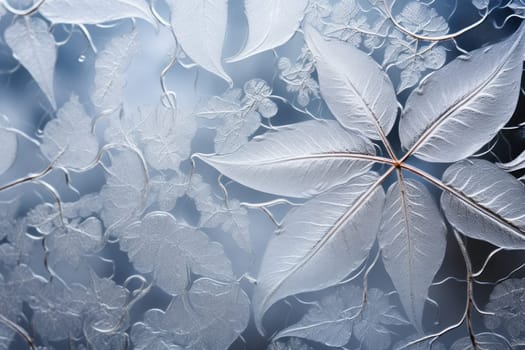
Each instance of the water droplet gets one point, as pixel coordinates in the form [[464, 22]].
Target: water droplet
[[81, 58]]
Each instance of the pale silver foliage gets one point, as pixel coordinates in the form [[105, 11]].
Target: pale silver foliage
[[95, 11], [360, 95], [463, 115], [413, 241], [110, 69], [326, 230], [68, 141], [34, 47], [274, 155], [200, 28], [493, 206], [171, 250], [188, 324], [270, 24], [291, 208]]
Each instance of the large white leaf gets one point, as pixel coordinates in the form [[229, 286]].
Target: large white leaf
[[299, 160], [110, 69], [320, 243], [95, 11], [412, 239], [9, 147], [357, 91], [34, 47], [164, 246], [462, 106], [200, 28], [489, 205], [271, 23]]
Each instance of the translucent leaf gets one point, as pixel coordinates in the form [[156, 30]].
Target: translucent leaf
[[372, 328], [487, 203], [216, 212], [315, 238], [210, 316], [236, 120], [299, 160], [484, 341], [125, 192], [170, 250], [412, 240], [95, 11], [166, 135], [355, 88], [68, 140], [331, 321], [9, 147], [462, 106], [271, 23], [34, 47], [110, 69], [507, 304], [200, 28]]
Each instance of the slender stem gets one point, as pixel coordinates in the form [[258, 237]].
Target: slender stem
[[29, 178], [468, 265], [19, 330], [388, 10], [25, 12]]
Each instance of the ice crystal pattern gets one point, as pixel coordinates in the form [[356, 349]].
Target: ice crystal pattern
[[290, 175]]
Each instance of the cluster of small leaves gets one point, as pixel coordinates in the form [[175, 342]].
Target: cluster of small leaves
[[60, 282]]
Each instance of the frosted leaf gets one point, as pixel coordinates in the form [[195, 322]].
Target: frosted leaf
[[291, 344], [476, 97], [372, 328], [314, 238], [420, 345], [9, 147], [215, 213], [170, 249], [317, 11], [68, 140], [125, 192], [63, 311], [271, 23], [357, 91], [110, 68], [420, 18], [71, 242], [484, 341], [331, 321], [480, 4], [507, 302], [95, 11], [257, 93], [200, 28], [34, 47], [299, 160], [298, 77], [211, 315], [486, 203], [17, 286], [165, 191], [412, 240], [167, 135], [236, 121], [57, 311]]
